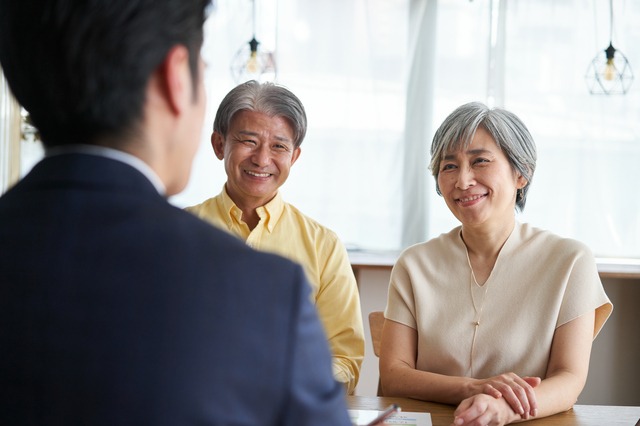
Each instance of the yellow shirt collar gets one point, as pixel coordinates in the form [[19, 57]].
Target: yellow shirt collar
[[269, 214]]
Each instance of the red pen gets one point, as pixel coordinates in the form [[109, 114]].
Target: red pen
[[393, 408]]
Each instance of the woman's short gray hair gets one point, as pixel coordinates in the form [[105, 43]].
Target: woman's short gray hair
[[506, 129], [267, 98]]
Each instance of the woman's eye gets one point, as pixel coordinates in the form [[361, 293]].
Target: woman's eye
[[446, 167]]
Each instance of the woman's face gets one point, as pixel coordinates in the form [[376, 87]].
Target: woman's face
[[478, 183]]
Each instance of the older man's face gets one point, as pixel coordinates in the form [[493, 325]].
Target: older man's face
[[258, 153]]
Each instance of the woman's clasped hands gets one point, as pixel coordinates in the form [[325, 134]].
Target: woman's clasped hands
[[498, 400]]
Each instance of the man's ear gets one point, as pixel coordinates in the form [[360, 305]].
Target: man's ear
[[178, 79], [295, 155], [217, 142]]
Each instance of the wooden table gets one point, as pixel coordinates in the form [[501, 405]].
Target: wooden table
[[442, 415]]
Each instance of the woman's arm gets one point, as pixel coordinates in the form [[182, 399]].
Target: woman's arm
[[399, 376], [565, 379], [568, 365]]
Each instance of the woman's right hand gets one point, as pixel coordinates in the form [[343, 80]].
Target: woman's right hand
[[517, 391]]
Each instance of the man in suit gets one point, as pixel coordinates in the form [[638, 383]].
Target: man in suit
[[116, 307]]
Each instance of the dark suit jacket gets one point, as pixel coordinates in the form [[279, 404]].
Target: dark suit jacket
[[118, 308]]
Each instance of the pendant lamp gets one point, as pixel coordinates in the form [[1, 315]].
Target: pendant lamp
[[609, 72], [251, 62]]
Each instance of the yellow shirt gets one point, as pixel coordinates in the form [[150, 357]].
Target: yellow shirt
[[284, 230]]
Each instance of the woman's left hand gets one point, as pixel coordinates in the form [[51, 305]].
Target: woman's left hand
[[484, 410]]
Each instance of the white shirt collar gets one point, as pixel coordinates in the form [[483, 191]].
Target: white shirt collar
[[114, 154]]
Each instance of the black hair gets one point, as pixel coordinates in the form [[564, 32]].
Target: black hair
[[80, 68]]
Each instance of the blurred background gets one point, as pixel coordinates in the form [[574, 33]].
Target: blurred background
[[377, 77]]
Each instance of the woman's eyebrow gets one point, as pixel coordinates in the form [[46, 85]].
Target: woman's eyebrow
[[475, 151]]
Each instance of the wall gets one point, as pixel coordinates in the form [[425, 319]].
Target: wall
[[614, 373]]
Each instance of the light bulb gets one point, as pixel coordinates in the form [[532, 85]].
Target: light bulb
[[252, 63], [610, 71]]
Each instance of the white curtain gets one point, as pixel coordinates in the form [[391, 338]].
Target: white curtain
[[418, 121]]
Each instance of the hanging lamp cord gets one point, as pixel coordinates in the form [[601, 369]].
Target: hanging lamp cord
[[254, 18], [610, 21]]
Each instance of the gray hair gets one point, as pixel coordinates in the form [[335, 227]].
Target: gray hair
[[267, 98], [506, 129]]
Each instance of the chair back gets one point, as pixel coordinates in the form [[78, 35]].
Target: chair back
[[376, 321]]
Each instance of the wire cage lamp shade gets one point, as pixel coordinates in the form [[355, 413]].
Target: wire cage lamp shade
[[609, 73], [251, 62]]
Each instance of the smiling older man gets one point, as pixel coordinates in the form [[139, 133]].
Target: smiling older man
[[257, 132]]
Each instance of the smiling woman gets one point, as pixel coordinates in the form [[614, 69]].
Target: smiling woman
[[457, 331]]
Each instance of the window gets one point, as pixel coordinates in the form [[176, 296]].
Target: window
[[378, 76]]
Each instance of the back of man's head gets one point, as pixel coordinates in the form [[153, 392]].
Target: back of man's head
[[81, 67]]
